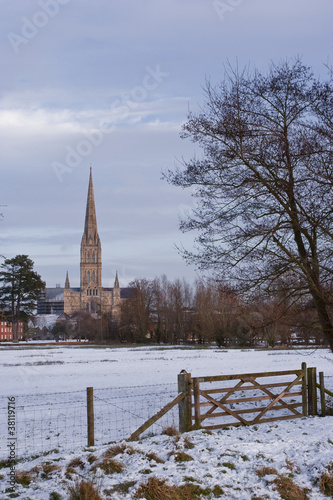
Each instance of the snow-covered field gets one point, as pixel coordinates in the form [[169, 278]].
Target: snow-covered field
[[48, 384]]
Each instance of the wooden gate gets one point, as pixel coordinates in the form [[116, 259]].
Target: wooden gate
[[244, 399]]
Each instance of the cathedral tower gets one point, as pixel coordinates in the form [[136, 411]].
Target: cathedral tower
[[91, 297], [91, 258]]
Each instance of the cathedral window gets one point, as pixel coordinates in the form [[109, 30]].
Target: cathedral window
[[88, 276], [93, 257], [93, 276]]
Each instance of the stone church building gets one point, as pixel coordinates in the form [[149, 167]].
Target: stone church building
[[90, 297]]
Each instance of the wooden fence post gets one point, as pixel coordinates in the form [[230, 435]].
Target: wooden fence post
[[322, 394], [90, 416], [196, 394], [185, 406], [304, 391], [312, 391]]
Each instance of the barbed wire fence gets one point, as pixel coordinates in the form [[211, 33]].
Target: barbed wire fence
[[58, 421]]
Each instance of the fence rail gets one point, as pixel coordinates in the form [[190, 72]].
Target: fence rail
[[241, 400]]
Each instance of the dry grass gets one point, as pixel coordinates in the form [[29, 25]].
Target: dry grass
[[120, 488], [85, 490], [117, 449], [157, 489], [153, 456], [130, 450], [91, 458], [170, 431], [77, 462], [109, 466], [47, 469], [326, 484], [24, 478], [265, 471], [286, 487], [289, 490], [55, 496], [69, 471], [188, 444], [329, 466], [5, 463], [181, 456]]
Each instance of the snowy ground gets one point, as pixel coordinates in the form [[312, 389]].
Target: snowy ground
[[224, 463]]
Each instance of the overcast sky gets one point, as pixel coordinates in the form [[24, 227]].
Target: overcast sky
[[108, 83]]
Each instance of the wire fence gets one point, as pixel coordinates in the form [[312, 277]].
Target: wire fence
[[58, 421]]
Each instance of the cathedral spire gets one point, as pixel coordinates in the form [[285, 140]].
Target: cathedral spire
[[67, 286], [90, 225], [116, 281], [91, 256]]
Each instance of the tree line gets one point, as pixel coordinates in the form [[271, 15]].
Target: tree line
[[177, 312]]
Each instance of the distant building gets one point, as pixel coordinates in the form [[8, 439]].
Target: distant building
[[6, 330], [51, 301], [90, 297]]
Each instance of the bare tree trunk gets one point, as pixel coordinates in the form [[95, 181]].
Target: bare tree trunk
[[323, 316], [15, 329]]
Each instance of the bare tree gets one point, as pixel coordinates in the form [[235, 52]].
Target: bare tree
[[136, 311], [218, 314], [264, 185]]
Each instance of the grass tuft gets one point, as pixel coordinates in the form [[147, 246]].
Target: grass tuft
[[171, 430], [5, 463], [265, 471], [326, 484], [181, 456], [115, 450], [229, 465], [289, 490], [158, 489], [76, 462], [55, 496], [85, 490], [188, 445], [91, 458], [109, 466], [47, 469], [153, 456], [24, 478], [217, 491], [120, 488]]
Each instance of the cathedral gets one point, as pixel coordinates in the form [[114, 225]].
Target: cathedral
[[90, 297]]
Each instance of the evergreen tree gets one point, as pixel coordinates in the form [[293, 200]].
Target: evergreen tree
[[20, 289]]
